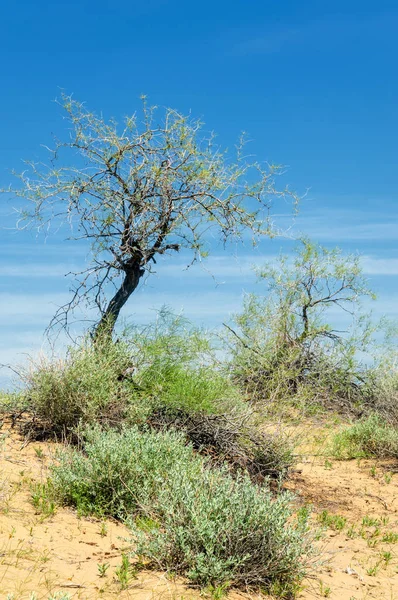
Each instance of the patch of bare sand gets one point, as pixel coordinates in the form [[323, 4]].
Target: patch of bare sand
[[361, 560]]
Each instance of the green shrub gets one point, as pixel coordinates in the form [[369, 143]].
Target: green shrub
[[176, 369], [163, 376], [382, 386], [285, 351], [86, 388], [119, 472], [11, 402], [218, 530], [188, 388], [186, 517], [367, 438], [165, 365]]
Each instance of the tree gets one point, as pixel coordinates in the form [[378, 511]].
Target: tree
[[285, 337], [302, 291], [140, 192]]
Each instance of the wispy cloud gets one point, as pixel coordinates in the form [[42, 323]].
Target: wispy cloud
[[316, 33], [221, 267], [38, 270], [342, 225], [268, 43], [379, 266], [34, 308]]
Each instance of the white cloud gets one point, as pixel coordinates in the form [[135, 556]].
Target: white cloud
[[29, 309], [333, 227], [37, 270], [379, 266], [221, 267]]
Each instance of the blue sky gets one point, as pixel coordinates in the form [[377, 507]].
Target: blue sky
[[313, 83]]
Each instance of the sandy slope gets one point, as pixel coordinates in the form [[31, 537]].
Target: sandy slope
[[60, 552]]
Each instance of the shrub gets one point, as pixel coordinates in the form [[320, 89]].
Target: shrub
[[234, 438], [196, 521], [11, 402], [120, 472], [284, 350], [367, 438], [382, 386], [163, 366], [85, 387], [176, 369], [164, 376]]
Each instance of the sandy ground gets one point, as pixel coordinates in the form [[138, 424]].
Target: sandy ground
[[53, 553]]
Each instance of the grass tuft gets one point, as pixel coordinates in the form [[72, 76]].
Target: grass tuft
[[371, 437]]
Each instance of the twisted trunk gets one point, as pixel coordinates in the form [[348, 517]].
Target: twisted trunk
[[133, 274]]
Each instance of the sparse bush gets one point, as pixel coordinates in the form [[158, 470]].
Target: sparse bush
[[84, 388], [223, 531], [120, 472], [371, 437], [186, 517], [382, 386], [166, 365], [284, 351], [234, 438]]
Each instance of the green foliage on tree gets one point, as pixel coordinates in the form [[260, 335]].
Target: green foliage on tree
[[154, 185], [285, 343]]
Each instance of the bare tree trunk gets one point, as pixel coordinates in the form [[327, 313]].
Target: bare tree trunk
[[108, 320]]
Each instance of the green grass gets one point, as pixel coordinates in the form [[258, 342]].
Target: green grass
[[336, 522], [371, 437], [11, 402]]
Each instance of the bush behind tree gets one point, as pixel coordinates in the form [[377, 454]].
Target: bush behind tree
[[284, 348]]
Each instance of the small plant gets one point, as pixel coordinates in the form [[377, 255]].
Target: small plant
[[125, 572], [336, 522], [352, 532], [103, 531], [372, 571], [388, 477], [304, 513], [370, 522], [42, 500], [328, 464], [387, 557], [39, 453], [325, 590], [390, 537], [217, 591], [102, 569]]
